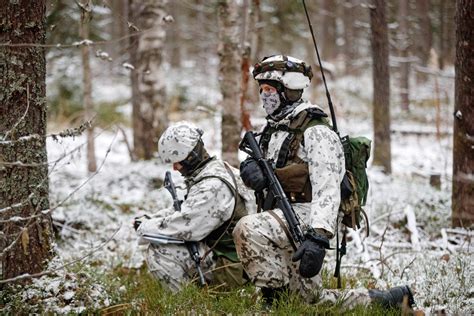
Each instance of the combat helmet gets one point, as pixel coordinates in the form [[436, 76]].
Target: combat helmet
[[178, 141]]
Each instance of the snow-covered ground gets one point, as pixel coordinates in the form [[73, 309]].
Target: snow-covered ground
[[410, 239]]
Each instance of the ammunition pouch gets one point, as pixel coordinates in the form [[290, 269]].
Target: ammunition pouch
[[295, 181]]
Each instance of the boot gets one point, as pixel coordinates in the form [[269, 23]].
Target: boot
[[393, 298], [270, 295]]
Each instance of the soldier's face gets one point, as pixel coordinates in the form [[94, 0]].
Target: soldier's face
[[266, 88], [177, 166]]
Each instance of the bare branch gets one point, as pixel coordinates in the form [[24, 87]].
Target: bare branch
[[78, 44], [44, 212], [37, 275]]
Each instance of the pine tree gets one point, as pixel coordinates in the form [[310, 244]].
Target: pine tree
[[463, 152], [26, 244], [381, 79]]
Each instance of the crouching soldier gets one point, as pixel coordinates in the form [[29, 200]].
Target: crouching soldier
[[308, 158], [216, 199]]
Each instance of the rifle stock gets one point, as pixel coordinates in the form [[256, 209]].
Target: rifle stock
[[192, 246]]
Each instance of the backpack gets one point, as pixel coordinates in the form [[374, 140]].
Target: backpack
[[355, 185]]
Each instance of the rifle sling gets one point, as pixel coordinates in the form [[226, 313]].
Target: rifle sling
[[235, 192], [285, 229]]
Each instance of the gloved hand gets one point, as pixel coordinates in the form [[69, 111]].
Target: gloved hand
[[311, 253], [252, 175], [138, 220]]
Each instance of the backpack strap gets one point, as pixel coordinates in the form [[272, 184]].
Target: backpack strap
[[235, 193], [308, 118]]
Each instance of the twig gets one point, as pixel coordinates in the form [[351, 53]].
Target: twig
[[36, 275], [127, 143], [77, 44], [44, 212], [403, 271]]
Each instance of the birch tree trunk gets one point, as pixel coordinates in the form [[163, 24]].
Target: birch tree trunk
[[149, 115], [381, 80], [463, 144], [25, 246], [88, 105], [404, 45], [230, 77]]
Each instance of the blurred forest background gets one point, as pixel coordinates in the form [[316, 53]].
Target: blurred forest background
[[89, 91]]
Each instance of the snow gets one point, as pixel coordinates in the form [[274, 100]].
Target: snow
[[410, 239]]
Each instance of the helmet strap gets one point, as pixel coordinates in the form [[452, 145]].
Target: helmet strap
[[293, 95]]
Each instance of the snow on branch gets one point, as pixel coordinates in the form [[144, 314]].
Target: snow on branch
[[48, 272], [79, 44], [44, 212], [411, 225], [69, 132]]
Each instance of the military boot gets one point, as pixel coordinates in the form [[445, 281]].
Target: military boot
[[393, 298], [270, 295]]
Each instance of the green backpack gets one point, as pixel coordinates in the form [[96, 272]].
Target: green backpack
[[355, 185]]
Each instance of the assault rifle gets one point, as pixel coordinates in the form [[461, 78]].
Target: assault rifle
[[191, 245], [250, 146]]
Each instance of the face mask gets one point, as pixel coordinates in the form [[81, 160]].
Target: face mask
[[271, 101]]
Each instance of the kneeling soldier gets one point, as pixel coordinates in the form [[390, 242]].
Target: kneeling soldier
[[216, 199], [308, 159]]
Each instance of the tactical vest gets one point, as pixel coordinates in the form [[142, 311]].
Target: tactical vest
[[291, 170], [229, 270]]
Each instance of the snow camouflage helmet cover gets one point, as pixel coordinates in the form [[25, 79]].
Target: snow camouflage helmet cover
[[292, 72], [178, 141]]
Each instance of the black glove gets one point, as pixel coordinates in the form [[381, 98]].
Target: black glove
[[311, 253], [138, 220], [252, 175]]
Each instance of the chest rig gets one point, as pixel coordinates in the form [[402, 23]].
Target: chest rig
[[291, 170], [220, 240]]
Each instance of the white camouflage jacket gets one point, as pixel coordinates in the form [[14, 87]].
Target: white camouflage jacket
[[208, 205], [325, 157]]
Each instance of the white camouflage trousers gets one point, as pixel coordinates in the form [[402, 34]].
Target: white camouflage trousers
[[172, 265], [265, 253]]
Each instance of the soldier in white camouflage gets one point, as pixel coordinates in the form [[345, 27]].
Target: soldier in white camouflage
[[216, 199], [308, 160]]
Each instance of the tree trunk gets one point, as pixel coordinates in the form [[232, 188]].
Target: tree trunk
[[348, 8], [441, 34], [381, 80], [23, 190], [118, 28], [404, 45], [245, 66], [150, 117], [424, 36], [463, 152], [328, 35], [173, 36], [87, 85], [230, 77], [450, 32], [256, 44]]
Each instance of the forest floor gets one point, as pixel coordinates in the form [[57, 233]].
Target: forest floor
[[411, 240]]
